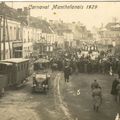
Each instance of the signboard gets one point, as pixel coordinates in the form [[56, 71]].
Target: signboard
[[17, 44]]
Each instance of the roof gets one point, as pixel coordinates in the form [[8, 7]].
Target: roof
[[60, 28], [9, 12], [39, 23], [1, 62], [115, 26], [12, 13], [15, 60]]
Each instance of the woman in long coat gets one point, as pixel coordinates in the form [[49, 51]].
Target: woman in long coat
[[114, 90], [118, 92]]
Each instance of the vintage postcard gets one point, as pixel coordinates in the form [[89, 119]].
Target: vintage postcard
[[59, 60]]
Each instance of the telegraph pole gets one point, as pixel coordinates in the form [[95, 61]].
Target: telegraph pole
[[0, 36], [4, 37]]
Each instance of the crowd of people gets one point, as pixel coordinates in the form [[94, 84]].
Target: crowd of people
[[71, 62], [82, 63], [76, 61]]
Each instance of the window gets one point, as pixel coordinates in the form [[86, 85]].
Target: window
[[24, 40], [14, 33], [10, 33], [19, 68], [22, 66], [28, 36], [24, 32], [0, 67], [9, 68], [26, 65]]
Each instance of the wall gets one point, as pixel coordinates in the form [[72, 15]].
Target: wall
[[14, 36], [27, 41]]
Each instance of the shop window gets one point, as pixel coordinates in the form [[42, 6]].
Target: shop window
[[0, 67], [19, 68]]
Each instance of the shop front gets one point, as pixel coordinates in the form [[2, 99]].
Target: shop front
[[17, 49]]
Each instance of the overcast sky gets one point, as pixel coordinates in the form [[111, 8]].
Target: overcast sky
[[103, 14]]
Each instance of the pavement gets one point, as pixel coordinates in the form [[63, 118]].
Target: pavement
[[64, 101]]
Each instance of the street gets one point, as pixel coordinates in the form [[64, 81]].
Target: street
[[80, 104], [22, 104], [62, 102]]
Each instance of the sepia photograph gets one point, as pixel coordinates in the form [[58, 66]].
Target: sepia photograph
[[59, 60]]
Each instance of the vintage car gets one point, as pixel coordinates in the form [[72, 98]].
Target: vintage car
[[40, 82], [41, 64]]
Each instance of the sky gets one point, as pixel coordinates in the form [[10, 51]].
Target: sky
[[104, 13]]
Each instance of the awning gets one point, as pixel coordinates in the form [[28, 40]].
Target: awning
[[17, 44]]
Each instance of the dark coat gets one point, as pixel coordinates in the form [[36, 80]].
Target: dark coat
[[114, 85], [67, 72]]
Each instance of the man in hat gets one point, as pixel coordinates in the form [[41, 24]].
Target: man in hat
[[67, 72], [97, 97], [94, 84]]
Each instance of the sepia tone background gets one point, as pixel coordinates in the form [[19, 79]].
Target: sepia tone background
[[60, 35]]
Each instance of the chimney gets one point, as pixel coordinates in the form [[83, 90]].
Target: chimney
[[26, 11], [73, 22], [3, 3], [19, 10]]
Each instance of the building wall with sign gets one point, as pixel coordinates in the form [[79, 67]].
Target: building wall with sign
[[17, 49], [27, 49], [38, 35], [28, 37], [7, 50], [13, 30], [68, 39], [49, 37], [109, 37], [12, 34], [60, 41]]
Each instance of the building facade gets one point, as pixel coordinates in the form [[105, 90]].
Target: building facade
[[110, 34], [11, 42]]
